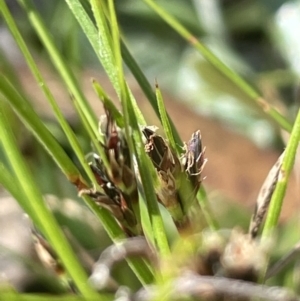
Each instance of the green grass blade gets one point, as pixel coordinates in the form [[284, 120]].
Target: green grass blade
[[165, 119], [102, 47], [42, 217], [145, 219], [220, 66], [283, 178], [100, 41]]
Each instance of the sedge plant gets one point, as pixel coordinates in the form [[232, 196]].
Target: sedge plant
[[136, 179]]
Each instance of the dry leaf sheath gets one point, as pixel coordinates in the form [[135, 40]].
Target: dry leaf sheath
[[264, 197]]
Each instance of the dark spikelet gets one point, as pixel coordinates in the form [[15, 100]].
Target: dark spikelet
[[193, 159], [264, 197], [179, 175], [116, 180]]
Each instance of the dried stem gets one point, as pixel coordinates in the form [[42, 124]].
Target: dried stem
[[216, 288]]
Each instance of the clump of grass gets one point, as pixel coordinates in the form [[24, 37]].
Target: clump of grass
[[137, 179]]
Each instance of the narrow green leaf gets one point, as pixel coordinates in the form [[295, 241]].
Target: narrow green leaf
[[42, 216]]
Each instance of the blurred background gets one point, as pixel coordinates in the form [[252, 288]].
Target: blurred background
[[259, 39]]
